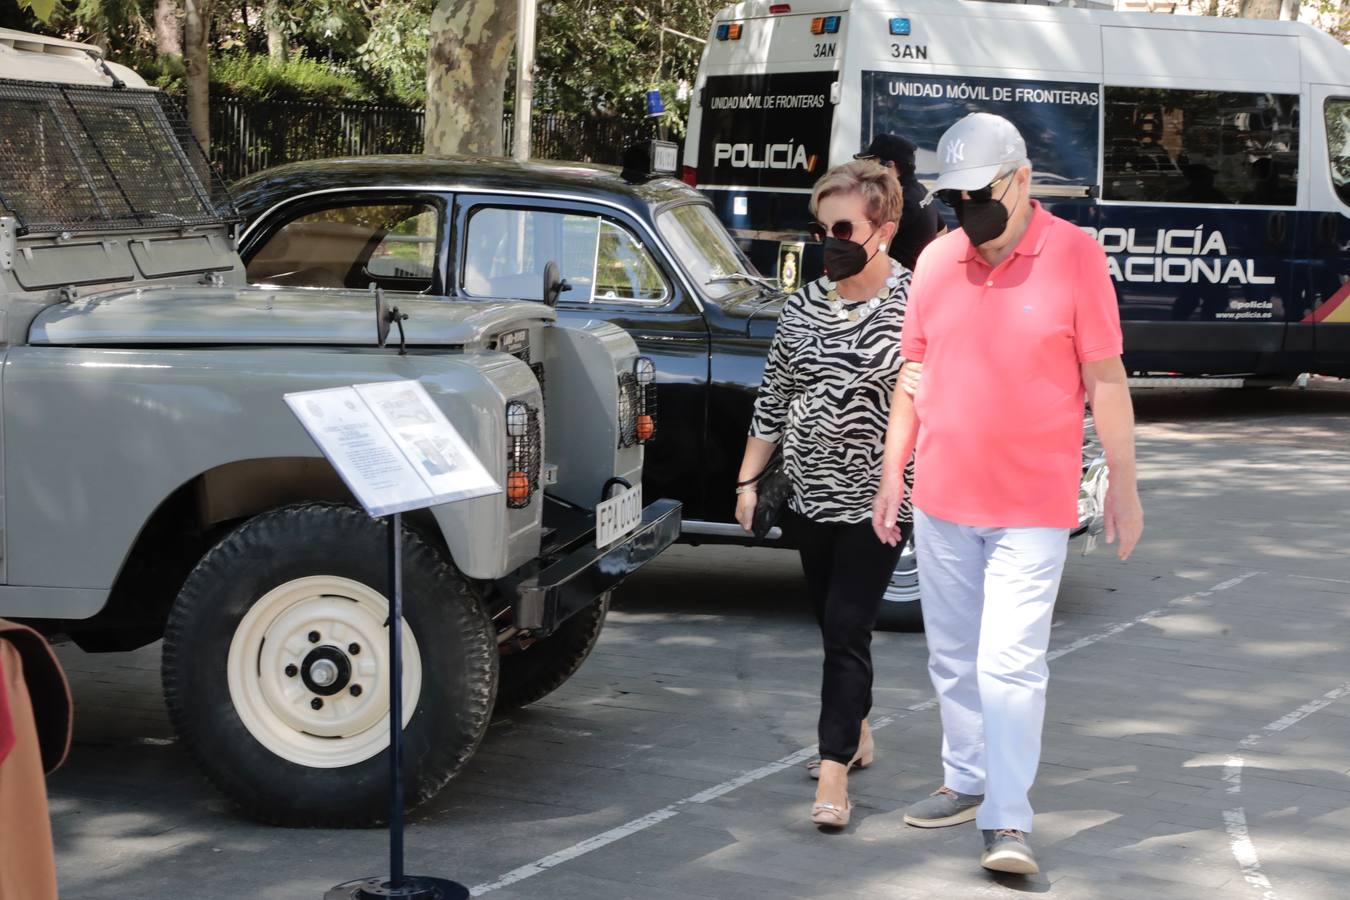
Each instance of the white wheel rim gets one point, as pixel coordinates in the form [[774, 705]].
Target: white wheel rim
[[277, 671], [904, 584]]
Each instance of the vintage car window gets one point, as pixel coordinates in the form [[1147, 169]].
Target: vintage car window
[[624, 270], [1338, 145], [390, 244], [1166, 145], [704, 249], [505, 251]]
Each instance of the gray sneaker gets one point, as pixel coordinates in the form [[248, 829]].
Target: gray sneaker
[[1007, 850], [943, 807]]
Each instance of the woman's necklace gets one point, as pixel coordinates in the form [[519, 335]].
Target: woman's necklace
[[855, 310]]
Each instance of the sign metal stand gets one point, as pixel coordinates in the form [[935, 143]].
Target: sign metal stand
[[398, 886], [395, 450]]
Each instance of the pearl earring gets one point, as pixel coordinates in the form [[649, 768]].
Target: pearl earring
[[881, 248]]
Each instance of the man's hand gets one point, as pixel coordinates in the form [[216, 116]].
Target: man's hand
[[1124, 518], [910, 373], [745, 510], [886, 509]]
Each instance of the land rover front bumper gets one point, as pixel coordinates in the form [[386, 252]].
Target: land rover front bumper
[[572, 571]]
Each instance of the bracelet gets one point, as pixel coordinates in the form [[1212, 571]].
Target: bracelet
[[747, 489]]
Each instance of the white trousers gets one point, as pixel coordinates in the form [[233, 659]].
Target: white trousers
[[988, 596]]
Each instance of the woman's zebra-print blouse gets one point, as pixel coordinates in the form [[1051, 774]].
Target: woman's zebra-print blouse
[[825, 398]]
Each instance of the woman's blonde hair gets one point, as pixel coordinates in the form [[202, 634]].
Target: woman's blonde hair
[[872, 181]]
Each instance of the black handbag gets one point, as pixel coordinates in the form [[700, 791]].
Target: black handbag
[[772, 489]]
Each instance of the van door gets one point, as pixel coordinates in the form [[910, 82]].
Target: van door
[[1199, 197], [1326, 231]]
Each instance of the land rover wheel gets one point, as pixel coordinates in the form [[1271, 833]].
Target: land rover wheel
[[901, 606], [540, 669], [276, 667]]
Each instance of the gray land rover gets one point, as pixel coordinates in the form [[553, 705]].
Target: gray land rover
[[155, 483]]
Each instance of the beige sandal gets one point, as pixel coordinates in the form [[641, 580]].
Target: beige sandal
[[861, 760], [830, 816]]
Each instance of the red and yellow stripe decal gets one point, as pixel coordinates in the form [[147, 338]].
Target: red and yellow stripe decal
[[1336, 309]]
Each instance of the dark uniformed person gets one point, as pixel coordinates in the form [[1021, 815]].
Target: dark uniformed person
[[918, 224]]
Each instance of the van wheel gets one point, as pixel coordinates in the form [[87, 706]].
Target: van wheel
[[901, 606], [539, 670], [276, 667]]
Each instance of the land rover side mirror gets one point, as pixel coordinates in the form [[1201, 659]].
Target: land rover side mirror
[[554, 284], [381, 316]]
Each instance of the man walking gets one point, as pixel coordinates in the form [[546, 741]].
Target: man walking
[[1014, 319], [919, 221]]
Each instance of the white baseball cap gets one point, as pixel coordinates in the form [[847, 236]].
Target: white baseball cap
[[976, 150]]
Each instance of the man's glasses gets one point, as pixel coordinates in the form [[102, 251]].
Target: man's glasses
[[843, 229], [953, 198]]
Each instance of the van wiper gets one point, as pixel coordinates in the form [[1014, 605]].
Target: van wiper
[[760, 280]]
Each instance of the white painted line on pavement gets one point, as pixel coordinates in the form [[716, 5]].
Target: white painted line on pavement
[[801, 756], [1235, 820]]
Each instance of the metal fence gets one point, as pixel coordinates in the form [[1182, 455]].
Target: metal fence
[[250, 135]]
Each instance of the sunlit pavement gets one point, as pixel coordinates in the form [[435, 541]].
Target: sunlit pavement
[[1195, 744]]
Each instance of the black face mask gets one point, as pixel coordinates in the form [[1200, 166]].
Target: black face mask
[[844, 259], [983, 220]]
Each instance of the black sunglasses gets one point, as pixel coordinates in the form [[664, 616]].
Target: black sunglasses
[[953, 198], [843, 229]]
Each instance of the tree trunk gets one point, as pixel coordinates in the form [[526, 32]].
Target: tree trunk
[[1289, 10], [169, 28], [1259, 9], [197, 40], [469, 53], [276, 36]]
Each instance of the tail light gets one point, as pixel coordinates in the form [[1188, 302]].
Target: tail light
[[776, 8], [523, 454], [637, 403], [689, 175]]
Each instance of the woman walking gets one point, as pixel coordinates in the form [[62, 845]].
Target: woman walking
[[824, 402]]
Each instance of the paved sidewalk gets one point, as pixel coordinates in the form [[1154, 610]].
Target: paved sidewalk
[[1195, 743]]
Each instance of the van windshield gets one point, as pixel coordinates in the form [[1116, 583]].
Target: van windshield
[[705, 250]]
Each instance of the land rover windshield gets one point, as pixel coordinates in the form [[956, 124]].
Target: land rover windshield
[[77, 158], [708, 254]]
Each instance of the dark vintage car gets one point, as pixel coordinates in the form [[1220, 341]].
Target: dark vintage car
[[646, 253]]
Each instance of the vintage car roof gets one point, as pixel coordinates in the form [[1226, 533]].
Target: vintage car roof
[[256, 194]]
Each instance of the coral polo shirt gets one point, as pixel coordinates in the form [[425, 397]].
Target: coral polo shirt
[[1000, 404]]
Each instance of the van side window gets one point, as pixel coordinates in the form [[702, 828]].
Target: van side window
[[1175, 146], [1338, 145]]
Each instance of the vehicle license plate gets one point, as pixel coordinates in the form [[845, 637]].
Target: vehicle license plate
[[617, 516]]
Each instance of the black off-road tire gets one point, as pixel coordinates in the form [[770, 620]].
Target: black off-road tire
[[539, 670], [456, 642]]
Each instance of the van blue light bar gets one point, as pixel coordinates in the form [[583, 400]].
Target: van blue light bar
[[900, 26], [729, 31], [832, 24]]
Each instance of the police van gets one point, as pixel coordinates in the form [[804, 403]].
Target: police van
[[1210, 157]]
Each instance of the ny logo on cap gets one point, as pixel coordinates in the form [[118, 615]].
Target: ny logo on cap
[[956, 151]]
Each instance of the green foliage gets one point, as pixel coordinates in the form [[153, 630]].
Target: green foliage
[[395, 50], [600, 58], [594, 59], [256, 77], [43, 9]]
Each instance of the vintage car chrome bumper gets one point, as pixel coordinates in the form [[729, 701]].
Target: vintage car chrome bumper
[[573, 572]]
